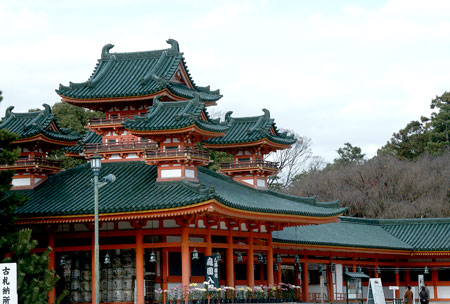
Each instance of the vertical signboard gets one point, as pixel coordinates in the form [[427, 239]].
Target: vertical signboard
[[212, 270], [8, 283]]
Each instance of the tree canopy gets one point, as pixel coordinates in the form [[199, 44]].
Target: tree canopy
[[429, 135]]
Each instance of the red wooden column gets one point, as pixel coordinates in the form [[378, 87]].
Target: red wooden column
[[250, 266], [279, 273], [397, 278], [305, 281], [208, 250], [354, 264], [376, 268], [330, 283], [51, 265], [270, 278], [164, 263], [139, 266], [434, 277], [185, 257], [230, 261]]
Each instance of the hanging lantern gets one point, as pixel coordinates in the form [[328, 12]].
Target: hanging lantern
[[378, 270], [195, 254], [299, 268], [152, 257], [396, 270], [320, 268], [359, 269], [62, 262], [264, 260], [296, 259], [239, 257], [107, 259], [275, 267], [218, 256], [426, 271], [260, 258], [278, 259], [333, 267]]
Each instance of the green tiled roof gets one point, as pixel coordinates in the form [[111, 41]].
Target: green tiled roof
[[30, 124], [136, 74], [89, 138], [71, 193], [251, 129], [174, 115], [406, 234]]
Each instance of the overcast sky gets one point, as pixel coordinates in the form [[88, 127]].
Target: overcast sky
[[333, 71]]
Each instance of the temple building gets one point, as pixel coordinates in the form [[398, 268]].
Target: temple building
[[167, 210]]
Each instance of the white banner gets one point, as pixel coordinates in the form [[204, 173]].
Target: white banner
[[8, 283]]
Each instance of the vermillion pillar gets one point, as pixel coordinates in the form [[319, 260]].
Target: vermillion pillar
[[305, 282], [330, 284], [270, 278], [139, 266], [397, 278], [208, 250], [230, 261], [51, 265], [185, 258], [250, 266]]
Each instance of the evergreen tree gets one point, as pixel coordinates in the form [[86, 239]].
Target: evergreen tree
[[439, 140], [349, 155]]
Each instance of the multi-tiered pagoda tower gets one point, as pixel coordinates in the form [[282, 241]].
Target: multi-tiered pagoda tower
[[38, 135], [123, 85]]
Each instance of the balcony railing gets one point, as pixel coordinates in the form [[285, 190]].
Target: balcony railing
[[34, 162], [250, 164], [110, 121], [177, 153], [121, 146]]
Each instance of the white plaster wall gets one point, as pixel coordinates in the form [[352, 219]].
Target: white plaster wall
[[170, 173], [21, 182], [442, 291], [189, 173]]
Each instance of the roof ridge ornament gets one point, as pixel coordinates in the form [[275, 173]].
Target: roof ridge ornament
[[47, 108], [9, 111], [191, 103], [259, 123], [174, 45], [152, 74], [228, 119], [105, 50]]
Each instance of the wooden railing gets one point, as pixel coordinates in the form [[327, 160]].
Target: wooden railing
[[186, 152], [36, 161], [111, 120], [250, 164], [120, 146]]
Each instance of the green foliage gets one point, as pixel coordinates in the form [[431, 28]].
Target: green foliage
[[73, 117], [349, 155], [34, 279], [218, 157], [440, 124], [427, 135], [408, 143]]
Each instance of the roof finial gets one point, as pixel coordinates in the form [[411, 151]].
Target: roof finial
[[9, 111], [47, 108], [174, 45], [105, 50]]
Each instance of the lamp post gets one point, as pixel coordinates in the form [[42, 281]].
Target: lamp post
[[96, 164]]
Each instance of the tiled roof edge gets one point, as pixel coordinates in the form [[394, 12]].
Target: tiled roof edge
[[275, 240], [389, 222]]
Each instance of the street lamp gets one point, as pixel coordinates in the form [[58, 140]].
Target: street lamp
[[96, 165]]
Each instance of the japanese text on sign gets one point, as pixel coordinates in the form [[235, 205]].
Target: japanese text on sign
[[8, 283]]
